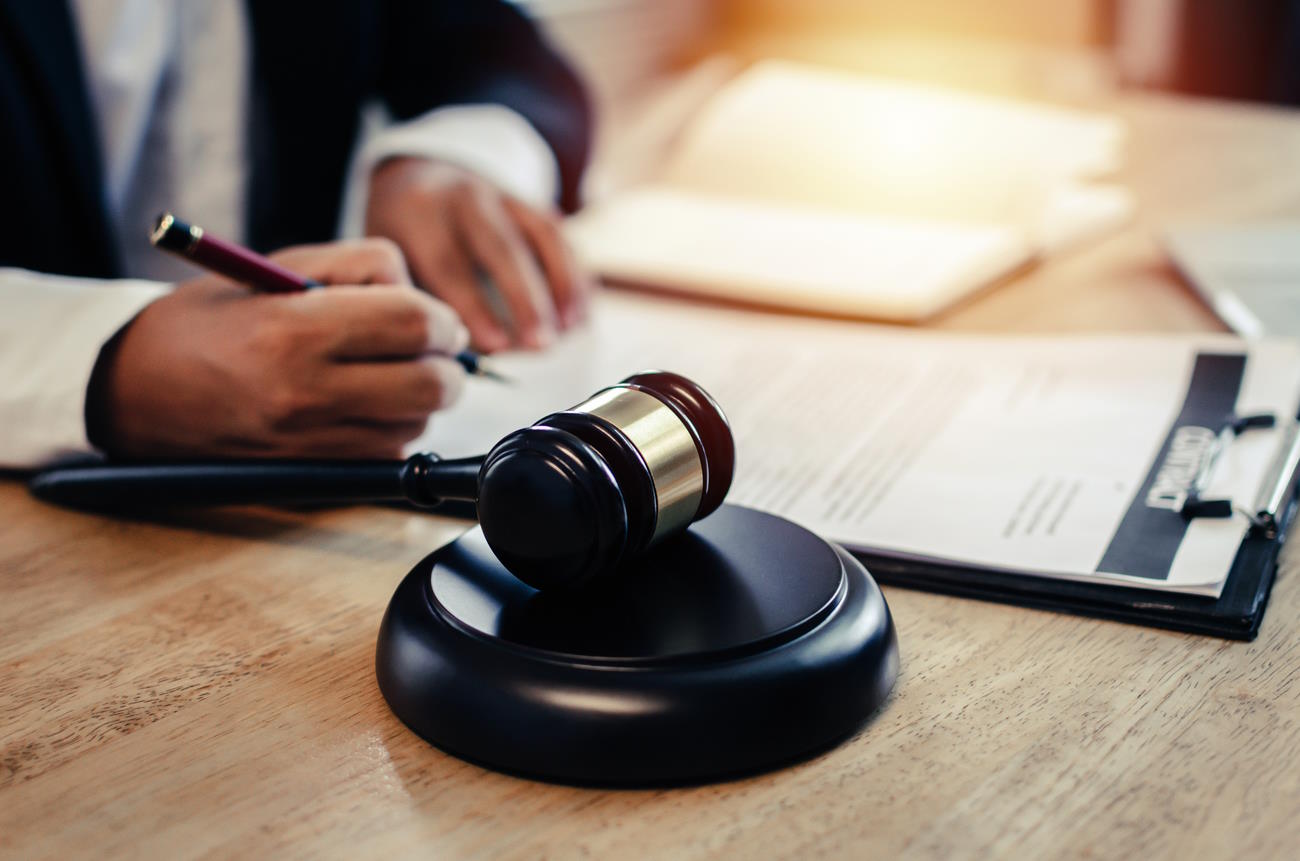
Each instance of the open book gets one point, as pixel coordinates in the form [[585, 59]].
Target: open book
[[816, 190]]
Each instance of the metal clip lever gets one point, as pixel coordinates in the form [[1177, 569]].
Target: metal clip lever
[[1195, 506], [1270, 506]]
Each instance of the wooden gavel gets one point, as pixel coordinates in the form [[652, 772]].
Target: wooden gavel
[[561, 503]]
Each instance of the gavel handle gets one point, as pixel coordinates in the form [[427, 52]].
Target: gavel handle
[[423, 479]]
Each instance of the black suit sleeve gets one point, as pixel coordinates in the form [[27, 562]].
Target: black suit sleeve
[[447, 52]]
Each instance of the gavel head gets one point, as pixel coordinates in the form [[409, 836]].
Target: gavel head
[[571, 498]]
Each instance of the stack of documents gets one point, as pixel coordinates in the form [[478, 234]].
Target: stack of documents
[[816, 190], [1061, 457]]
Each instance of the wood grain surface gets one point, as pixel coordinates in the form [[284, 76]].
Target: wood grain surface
[[202, 686]]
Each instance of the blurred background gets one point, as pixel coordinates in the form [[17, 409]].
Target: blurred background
[[1181, 107], [1244, 50]]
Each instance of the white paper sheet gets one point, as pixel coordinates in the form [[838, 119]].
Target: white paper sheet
[[1017, 453]]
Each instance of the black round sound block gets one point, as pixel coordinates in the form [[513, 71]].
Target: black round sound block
[[743, 644]]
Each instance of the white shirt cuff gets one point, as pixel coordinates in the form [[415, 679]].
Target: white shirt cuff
[[490, 141], [51, 332]]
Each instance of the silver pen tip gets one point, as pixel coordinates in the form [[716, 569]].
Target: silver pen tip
[[483, 368]]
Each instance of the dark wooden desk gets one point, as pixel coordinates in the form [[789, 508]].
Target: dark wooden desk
[[205, 687]]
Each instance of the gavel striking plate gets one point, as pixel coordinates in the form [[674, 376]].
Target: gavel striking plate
[[609, 621], [746, 643]]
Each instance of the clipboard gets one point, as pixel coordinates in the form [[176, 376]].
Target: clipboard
[[1236, 614]]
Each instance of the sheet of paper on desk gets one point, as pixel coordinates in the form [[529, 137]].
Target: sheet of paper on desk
[[1028, 454]]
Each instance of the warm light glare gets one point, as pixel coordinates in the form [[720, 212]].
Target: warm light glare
[[850, 142]]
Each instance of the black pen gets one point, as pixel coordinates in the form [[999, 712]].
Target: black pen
[[260, 273]]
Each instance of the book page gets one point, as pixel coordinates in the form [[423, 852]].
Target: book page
[[1035, 455], [799, 134]]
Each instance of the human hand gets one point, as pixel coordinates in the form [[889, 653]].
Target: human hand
[[213, 369], [453, 225]]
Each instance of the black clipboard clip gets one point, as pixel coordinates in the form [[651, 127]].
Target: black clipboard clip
[[1265, 515]]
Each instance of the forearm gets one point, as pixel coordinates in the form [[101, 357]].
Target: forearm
[[52, 329]]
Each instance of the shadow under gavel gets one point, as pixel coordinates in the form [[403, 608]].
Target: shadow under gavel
[[562, 503]]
